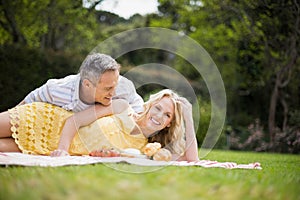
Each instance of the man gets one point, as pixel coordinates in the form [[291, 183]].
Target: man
[[98, 81]]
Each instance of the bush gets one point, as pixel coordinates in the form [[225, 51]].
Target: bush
[[284, 141], [23, 70]]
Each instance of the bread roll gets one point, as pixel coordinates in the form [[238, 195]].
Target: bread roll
[[162, 155], [151, 148]]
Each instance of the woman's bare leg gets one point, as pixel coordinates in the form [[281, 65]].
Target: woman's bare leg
[[8, 145], [5, 125]]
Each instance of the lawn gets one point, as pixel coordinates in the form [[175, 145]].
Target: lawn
[[279, 179]]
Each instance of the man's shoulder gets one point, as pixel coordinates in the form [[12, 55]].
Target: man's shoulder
[[124, 88], [123, 81]]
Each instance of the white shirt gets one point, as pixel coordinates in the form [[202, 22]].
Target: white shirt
[[64, 93]]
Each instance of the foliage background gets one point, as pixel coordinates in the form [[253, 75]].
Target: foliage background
[[255, 45]]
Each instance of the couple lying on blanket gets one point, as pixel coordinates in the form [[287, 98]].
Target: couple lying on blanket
[[164, 131]]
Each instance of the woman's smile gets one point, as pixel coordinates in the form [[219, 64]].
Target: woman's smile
[[154, 121]]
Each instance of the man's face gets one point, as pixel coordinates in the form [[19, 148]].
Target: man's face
[[106, 86]]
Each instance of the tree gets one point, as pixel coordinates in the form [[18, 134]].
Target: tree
[[256, 47], [274, 27], [9, 23], [59, 25]]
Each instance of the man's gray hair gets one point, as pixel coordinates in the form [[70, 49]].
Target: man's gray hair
[[95, 65]]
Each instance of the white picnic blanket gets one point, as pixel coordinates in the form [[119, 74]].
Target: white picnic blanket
[[8, 159]]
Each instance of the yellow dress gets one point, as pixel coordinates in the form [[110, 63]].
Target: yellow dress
[[36, 128]]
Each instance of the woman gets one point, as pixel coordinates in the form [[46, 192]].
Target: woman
[[37, 128]]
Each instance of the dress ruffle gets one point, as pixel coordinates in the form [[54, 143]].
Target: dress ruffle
[[36, 127]]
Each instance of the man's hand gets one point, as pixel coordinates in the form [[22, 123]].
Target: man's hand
[[58, 153], [105, 153]]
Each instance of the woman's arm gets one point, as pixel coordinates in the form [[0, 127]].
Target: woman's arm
[[84, 118], [191, 151], [21, 103]]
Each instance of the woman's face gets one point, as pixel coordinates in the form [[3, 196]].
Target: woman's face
[[160, 115]]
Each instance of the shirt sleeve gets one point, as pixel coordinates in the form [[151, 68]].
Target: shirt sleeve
[[126, 90], [59, 92], [135, 100], [40, 94]]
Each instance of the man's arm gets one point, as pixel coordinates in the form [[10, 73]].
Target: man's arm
[[37, 95], [84, 118]]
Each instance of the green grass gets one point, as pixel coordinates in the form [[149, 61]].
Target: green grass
[[279, 179]]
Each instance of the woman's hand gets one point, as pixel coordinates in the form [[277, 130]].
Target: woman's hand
[[187, 109]]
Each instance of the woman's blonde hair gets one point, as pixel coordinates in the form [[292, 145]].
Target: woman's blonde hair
[[171, 138]]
